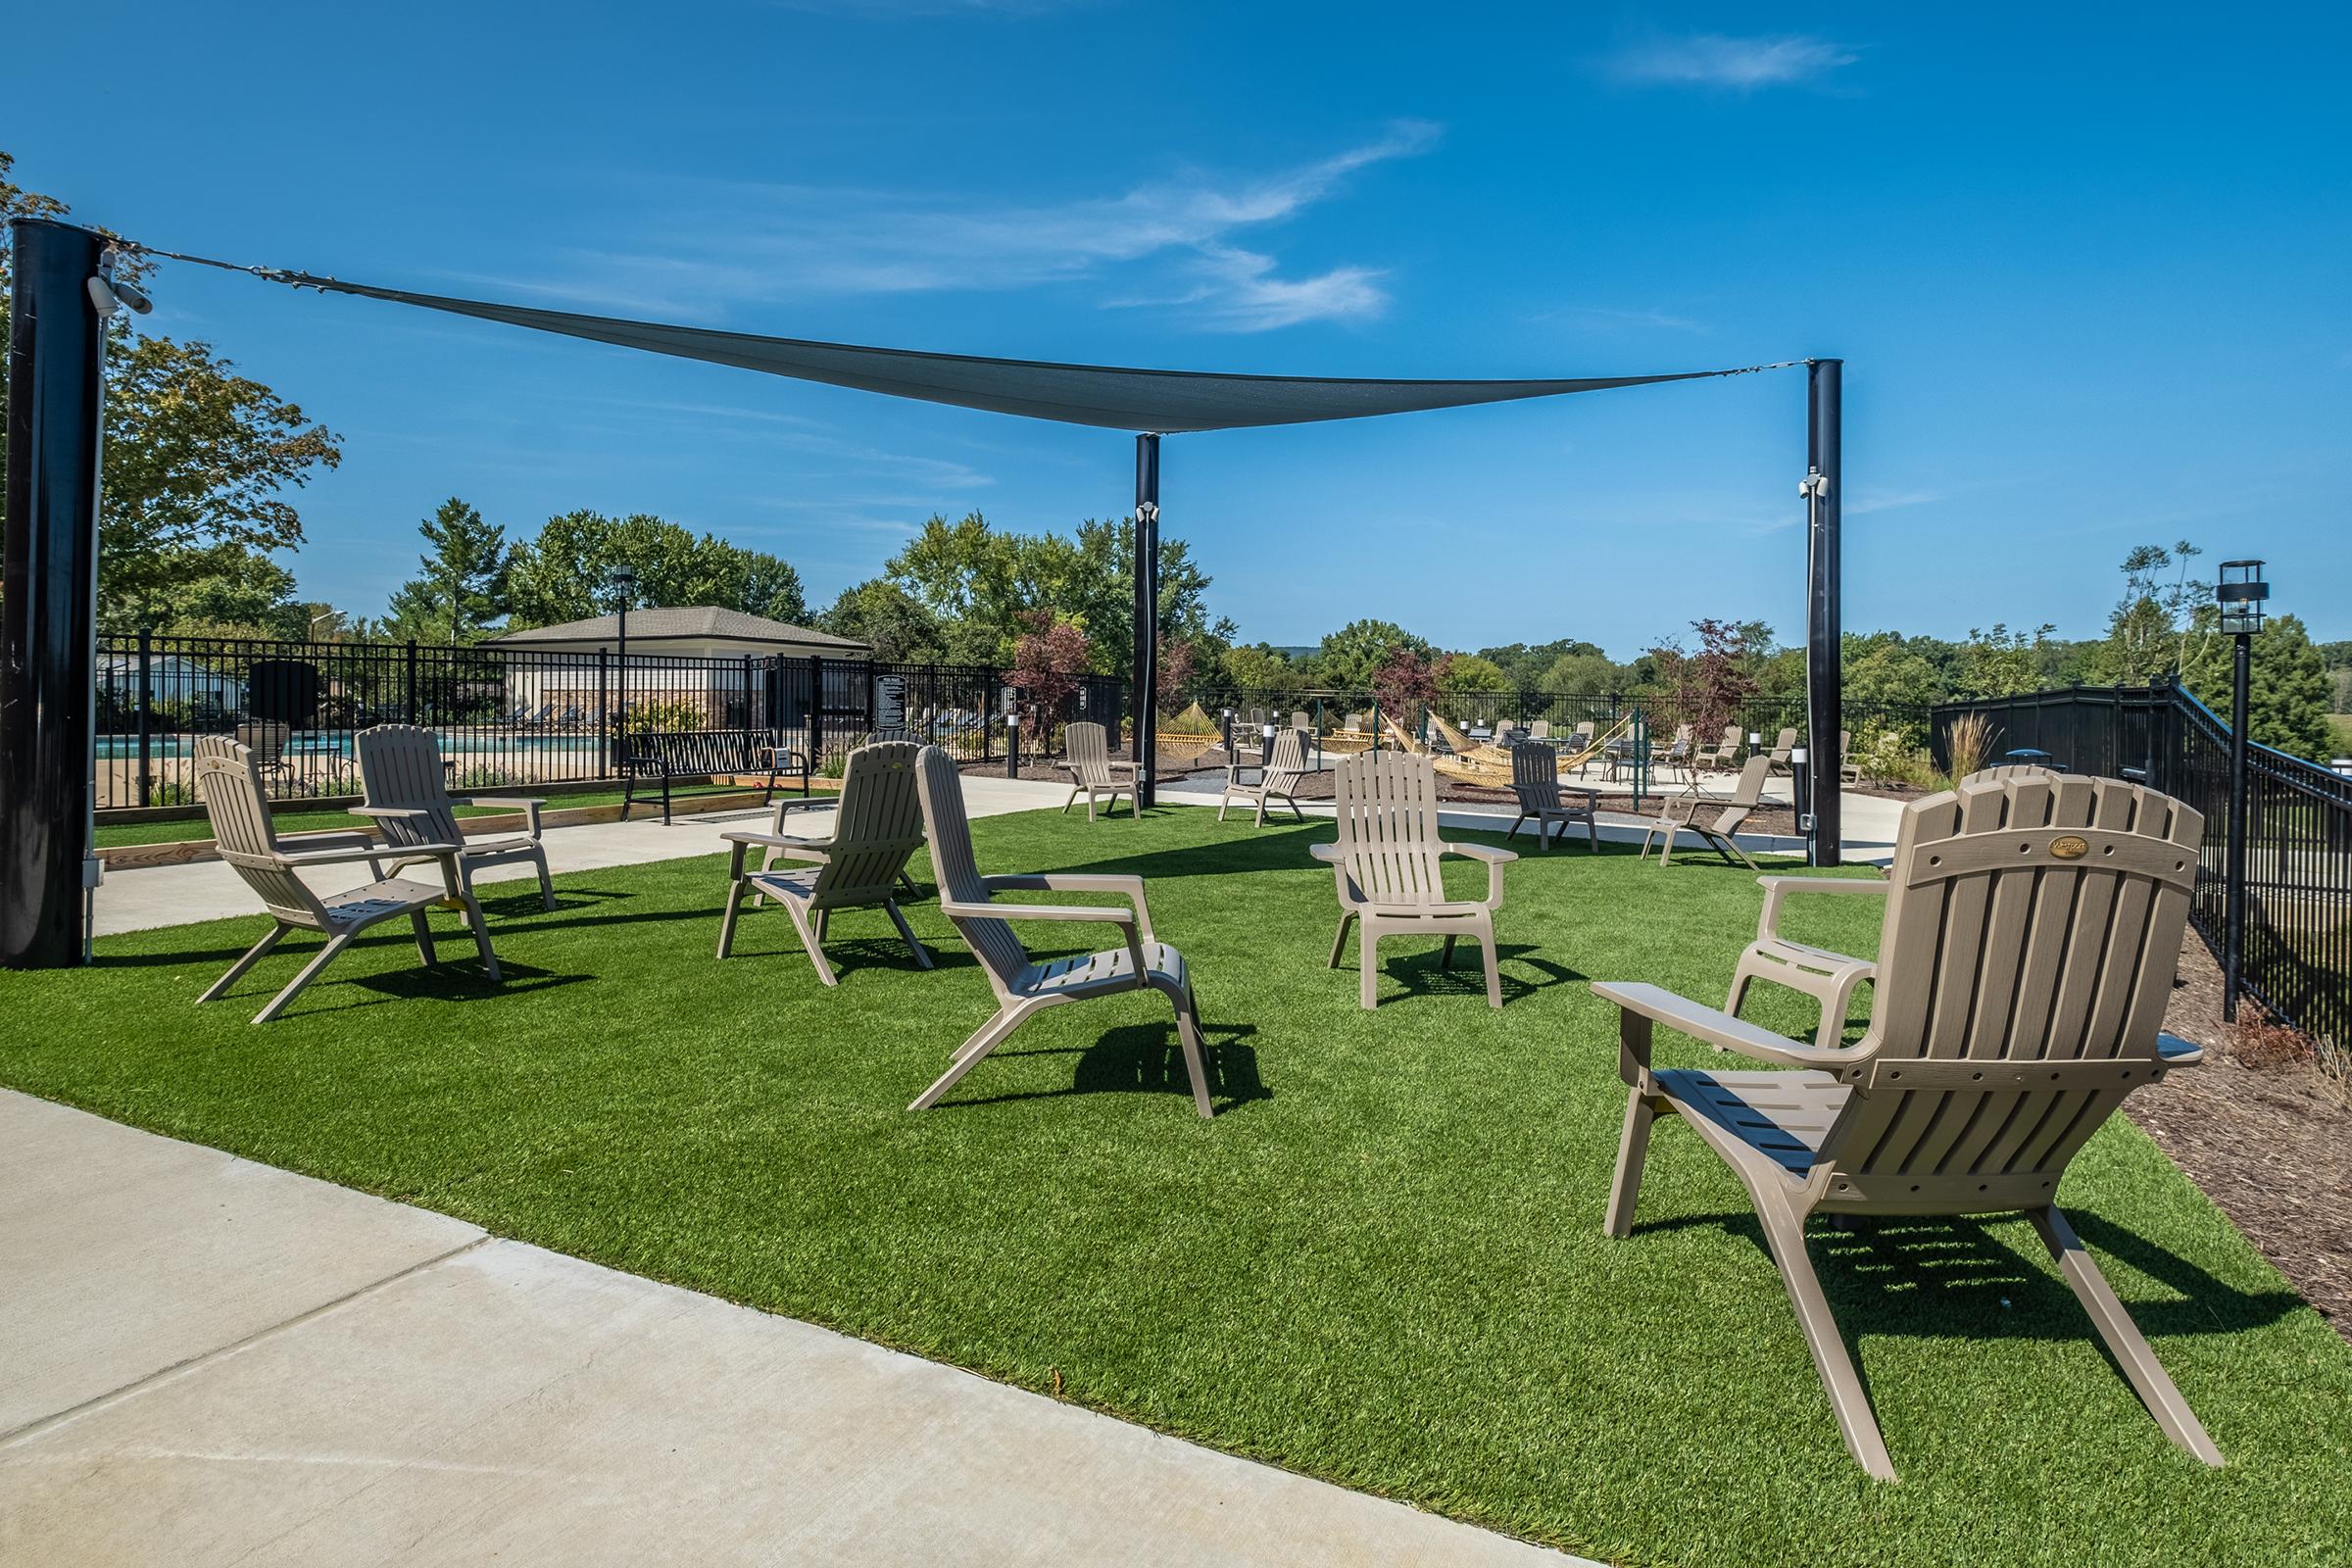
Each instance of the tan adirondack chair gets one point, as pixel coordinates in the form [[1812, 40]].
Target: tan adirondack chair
[[1783, 747], [409, 801], [1541, 730], [877, 827], [1672, 753], [228, 780], [2005, 1032], [1277, 780], [1536, 780], [1722, 755], [1024, 987], [1385, 862], [1718, 835], [1829, 978], [1849, 772], [1093, 773]]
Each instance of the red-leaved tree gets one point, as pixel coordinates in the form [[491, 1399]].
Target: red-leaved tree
[[1711, 686], [1403, 682], [1175, 674], [1048, 661]]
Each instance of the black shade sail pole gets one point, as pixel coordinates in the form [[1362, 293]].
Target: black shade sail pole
[[1146, 672], [1825, 681], [48, 592]]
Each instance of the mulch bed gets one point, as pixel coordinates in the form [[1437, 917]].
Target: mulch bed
[[2265, 1130]]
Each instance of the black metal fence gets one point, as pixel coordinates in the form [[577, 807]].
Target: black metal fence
[[2298, 942], [1764, 716], [508, 717]]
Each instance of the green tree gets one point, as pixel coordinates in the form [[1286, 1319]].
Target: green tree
[[2001, 662], [195, 461], [461, 584], [566, 573], [2153, 628], [886, 616], [1351, 656], [1882, 670], [1257, 668], [1470, 673], [1527, 663], [1587, 673], [2286, 681]]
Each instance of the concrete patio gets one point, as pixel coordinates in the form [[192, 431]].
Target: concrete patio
[[206, 1361]]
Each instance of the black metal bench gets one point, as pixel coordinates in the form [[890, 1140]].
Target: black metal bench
[[667, 754]]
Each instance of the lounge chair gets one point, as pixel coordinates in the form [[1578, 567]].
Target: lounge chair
[[1385, 862], [1849, 772], [1541, 730], [407, 799], [1300, 720], [1722, 755], [267, 739], [1024, 987], [1783, 747], [1277, 779], [1673, 752], [2004, 1034], [1536, 780], [228, 780], [1091, 771], [1829, 978], [1718, 835], [877, 827]]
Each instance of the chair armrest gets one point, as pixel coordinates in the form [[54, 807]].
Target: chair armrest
[[327, 838], [528, 805], [776, 841], [1717, 1028], [1328, 853], [1099, 913], [1127, 887], [1481, 852], [1777, 888], [2173, 1051], [373, 852], [388, 810]]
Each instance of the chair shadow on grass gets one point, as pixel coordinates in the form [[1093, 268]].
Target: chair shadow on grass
[[1424, 974], [1140, 1060], [1282, 846]]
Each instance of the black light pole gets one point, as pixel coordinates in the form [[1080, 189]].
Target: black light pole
[[624, 583], [2240, 593], [1825, 682], [49, 591], [1147, 616]]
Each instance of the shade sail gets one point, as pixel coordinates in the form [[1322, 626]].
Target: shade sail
[[1107, 396]]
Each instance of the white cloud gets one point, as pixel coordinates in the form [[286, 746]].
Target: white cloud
[[1602, 318], [1714, 60], [1173, 237]]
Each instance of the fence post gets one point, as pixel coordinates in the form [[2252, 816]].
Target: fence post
[[748, 710], [605, 742], [146, 715], [816, 710], [409, 679]]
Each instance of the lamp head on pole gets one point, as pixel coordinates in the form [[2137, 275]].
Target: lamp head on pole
[[624, 583], [2240, 594]]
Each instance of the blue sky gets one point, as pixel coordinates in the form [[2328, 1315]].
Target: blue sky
[[2088, 269]]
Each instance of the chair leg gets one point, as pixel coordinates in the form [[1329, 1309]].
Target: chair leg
[[813, 937], [726, 920], [2123, 1340], [1367, 963], [922, 955], [1486, 945], [252, 956], [309, 971], [547, 885], [1073, 800], [1261, 810], [991, 1035], [1445, 957], [1633, 1148], [1593, 831], [1741, 979], [1785, 1234], [1339, 944], [424, 936], [1187, 1036], [482, 932]]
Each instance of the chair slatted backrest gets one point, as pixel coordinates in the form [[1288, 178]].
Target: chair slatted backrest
[[1541, 730], [1536, 776], [267, 737], [400, 765], [992, 940], [1300, 720], [1087, 748], [1583, 732], [228, 781], [877, 825], [1730, 743], [1388, 813], [1747, 796], [1784, 745], [2031, 938], [1288, 761]]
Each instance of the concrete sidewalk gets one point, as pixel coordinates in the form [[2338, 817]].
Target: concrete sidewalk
[[206, 1361], [133, 899]]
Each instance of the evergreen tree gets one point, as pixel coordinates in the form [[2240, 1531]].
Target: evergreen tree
[[2287, 682], [461, 585]]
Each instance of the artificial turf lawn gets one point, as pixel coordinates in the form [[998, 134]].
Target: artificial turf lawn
[[1382, 1263]]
